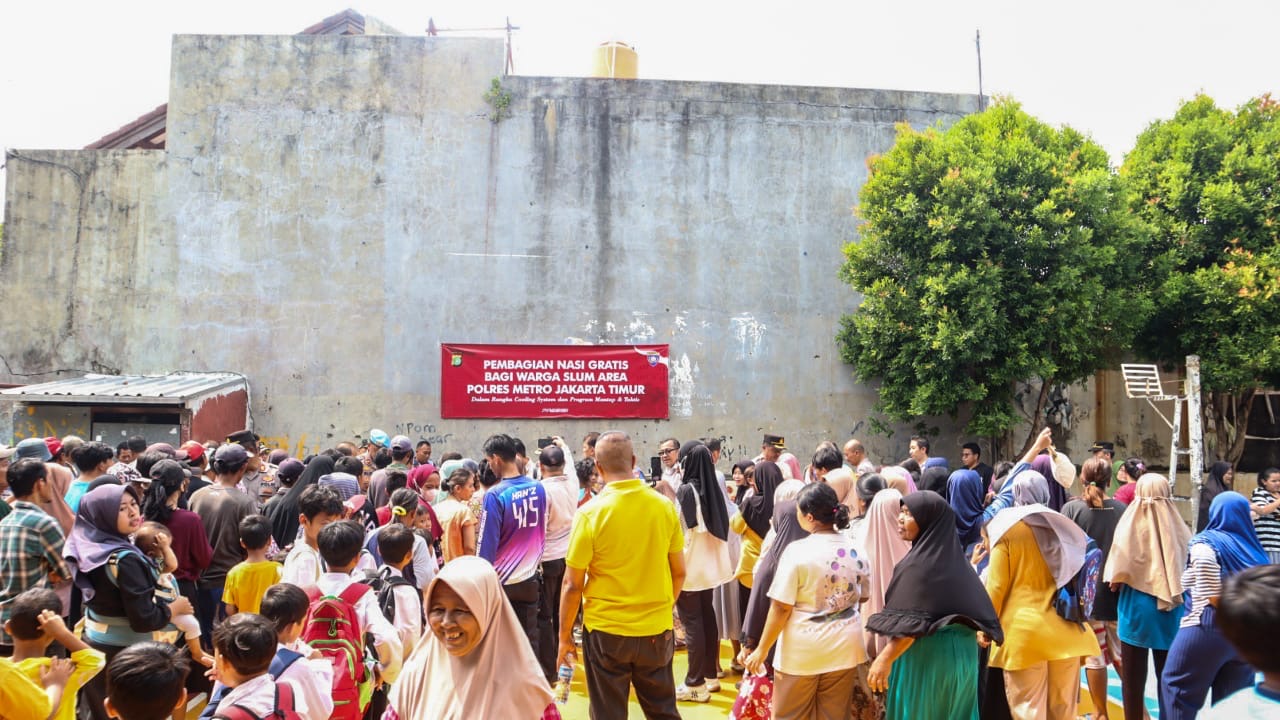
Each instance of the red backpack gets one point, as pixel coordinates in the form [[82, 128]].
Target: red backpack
[[333, 628], [284, 708]]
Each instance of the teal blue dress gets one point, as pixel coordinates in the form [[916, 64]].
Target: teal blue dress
[[936, 678]]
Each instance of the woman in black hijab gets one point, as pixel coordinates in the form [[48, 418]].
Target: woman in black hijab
[[933, 609], [1219, 481], [283, 510], [757, 510], [705, 515], [699, 478], [913, 467], [934, 478]]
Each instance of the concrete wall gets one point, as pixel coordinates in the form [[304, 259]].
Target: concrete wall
[[329, 209]]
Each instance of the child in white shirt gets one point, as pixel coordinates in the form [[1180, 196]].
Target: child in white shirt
[[296, 663], [399, 599], [318, 507], [340, 544], [244, 646]]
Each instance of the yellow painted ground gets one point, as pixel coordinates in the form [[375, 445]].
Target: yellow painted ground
[[718, 708], [721, 702]]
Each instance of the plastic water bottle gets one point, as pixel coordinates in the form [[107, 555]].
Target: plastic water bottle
[[563, 678]]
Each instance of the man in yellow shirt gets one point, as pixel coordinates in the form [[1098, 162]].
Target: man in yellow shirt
[[34, 624], [626, 559]]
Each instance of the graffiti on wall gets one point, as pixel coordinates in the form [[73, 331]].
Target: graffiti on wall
[[298, 448], [58, 422], [418, 432]]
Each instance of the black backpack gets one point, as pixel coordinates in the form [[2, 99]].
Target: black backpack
[[384, 584], [1074, 601]]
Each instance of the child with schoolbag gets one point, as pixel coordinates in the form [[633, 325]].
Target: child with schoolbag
[[398, 598], [244, 648], [296, 663], [342, 613]]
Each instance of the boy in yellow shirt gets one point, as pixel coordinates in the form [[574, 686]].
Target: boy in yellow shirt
[[34, 624], [248, 581], [22, 699]]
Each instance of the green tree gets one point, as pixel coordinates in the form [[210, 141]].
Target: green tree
[[1207, 181], [993, 252]]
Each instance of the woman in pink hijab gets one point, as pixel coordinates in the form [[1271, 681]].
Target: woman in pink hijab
[[790, 467], [474, 660], [898, 478], [885, 548]]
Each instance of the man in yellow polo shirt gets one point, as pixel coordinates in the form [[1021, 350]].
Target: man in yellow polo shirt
[[626, 559]]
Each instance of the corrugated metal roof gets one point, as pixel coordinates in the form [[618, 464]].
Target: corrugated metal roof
[[131, 389]]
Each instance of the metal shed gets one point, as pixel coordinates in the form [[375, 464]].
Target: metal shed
[[169, 408]]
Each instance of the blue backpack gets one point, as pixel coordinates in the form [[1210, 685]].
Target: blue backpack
[[1074, 601]]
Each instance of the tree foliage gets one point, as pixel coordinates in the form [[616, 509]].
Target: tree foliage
[[992, 252], [1207, 182]]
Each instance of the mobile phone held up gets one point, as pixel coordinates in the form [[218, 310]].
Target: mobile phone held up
[[544, 442], [655, 469]]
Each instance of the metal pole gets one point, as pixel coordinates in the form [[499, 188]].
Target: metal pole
[[1196, 433], [977, 41], [1173, 445]]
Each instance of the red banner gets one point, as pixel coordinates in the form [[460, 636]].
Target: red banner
[[553, 381]]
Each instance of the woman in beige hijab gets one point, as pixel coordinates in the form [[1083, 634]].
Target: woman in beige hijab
[[1145, 566], [841, 480], [474, 661]]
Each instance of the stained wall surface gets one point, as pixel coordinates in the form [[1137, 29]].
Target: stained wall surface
[[329, 209]]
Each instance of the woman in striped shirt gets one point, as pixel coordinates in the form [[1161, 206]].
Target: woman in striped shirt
[[1266, 512], [1201, 658]]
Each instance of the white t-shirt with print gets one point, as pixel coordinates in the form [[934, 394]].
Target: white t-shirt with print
[[825, 580]]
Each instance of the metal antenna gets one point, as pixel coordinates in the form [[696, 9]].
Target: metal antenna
[[433, 31], [1143, 382], [977, 41]]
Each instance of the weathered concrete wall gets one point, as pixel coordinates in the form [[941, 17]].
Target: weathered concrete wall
[[329, 209], [88, 261]]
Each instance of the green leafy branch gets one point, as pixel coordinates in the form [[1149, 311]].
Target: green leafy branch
[[498, 100]]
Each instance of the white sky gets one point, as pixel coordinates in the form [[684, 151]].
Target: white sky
[[71, 72]]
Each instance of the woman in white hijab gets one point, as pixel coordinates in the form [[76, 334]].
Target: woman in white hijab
[[474, 662]]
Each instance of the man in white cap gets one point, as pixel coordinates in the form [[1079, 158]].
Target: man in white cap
[[377, 439]]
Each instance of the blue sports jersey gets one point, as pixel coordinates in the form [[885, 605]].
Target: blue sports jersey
[[513, 528]]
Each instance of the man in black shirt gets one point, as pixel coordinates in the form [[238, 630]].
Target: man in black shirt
[[971, 458]]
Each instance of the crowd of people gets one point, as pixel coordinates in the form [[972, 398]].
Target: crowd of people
[[377, 581]]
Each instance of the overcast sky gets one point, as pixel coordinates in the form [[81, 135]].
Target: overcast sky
[[71, 72]]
